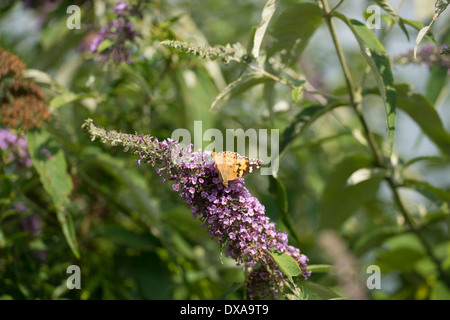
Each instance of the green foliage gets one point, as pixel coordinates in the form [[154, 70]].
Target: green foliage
[[362, 150], [50, 163], [286, 263], [424, 114], [293, 29], [376, 56]]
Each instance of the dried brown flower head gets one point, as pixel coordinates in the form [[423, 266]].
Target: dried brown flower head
[[23, 104], [10, 63]]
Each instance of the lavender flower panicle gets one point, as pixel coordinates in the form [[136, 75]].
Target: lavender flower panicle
[[230, 214], [119, 31]]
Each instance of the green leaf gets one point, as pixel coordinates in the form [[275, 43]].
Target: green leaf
[[378, 60], [440, 291], [419, 25], [340, 200], [2, 241], [401, 258], [440, 197], [287, 264], [59, 291], [296, 127], [389, 8], [432, 160], [136, 195], [293, 29], [298, 89], [364, 174], [268, 11], [424, 114], [42, 78], [238, 86], [278, 191], [197, 90], [374, 238], [315, 291], [6, 186], [436, 82], [49, 161], [51, 35], [105, 44], [299, 124], [63, 99], [401, 253], [151, 276], [420, 36]]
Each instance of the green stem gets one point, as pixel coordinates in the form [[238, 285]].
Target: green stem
[[355, 102], [355, 97], [340, 53], [417, 230]]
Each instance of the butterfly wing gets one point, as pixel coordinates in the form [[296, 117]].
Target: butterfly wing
[[232, 165], [244, 165], [224, 169]]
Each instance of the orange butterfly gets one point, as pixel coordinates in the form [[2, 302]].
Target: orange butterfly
[[232, 165]]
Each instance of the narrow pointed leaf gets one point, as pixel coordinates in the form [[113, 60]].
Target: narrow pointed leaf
[[293, 29], [436, 83], [378, 60], [301, 121], [424, 114], [365, 174], [237, 87], [268, 11], [439, 197], [389, 8], [49, 161], [286, 263], [418, 26]]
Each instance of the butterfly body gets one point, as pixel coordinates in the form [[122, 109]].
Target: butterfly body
[[232, 165]]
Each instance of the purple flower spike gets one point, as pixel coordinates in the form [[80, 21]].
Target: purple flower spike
[[118, 32], [231, 215]]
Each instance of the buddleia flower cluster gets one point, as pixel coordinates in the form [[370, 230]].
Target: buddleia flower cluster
[[231, 215], [116, 35], [23, 104]]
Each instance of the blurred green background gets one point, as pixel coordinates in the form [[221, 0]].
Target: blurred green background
[[136, 238]]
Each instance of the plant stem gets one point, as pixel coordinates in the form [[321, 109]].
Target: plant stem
[[415, 229], [355, 103], [355, 98]]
